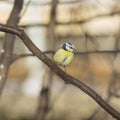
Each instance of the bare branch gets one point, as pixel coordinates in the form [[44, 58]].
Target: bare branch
[[24, 11], [44, 96], [9, 43], [49, 2], [17, 57], [66, 77], [82, 21]]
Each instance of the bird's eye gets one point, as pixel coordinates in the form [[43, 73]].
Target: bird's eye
[[71, 47]]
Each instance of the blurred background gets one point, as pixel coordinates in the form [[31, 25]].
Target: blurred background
[[32, 91]]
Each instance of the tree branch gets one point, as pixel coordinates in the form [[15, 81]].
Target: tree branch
[[7, 51], [45, 93], [66, 77], [82, 21], [24, 11], [17, 57]]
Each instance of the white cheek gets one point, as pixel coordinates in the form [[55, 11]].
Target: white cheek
[[69, 49]]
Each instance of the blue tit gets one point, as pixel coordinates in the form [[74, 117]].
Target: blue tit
[[64, 55]]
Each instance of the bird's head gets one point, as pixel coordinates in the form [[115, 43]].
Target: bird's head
[[68, 46]]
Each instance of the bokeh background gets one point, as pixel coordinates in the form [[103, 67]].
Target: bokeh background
[[32, 90]]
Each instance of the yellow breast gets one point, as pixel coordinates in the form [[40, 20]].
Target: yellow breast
[[63, 57]]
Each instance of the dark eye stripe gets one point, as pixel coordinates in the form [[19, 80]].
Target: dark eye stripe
[[71, 47]]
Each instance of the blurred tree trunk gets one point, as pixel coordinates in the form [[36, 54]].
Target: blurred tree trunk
[[44, 95], [8, 46]]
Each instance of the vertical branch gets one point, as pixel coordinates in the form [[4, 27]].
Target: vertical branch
[[112, 80], [114, 72], [114, 75], [7, 51], [44, 96]]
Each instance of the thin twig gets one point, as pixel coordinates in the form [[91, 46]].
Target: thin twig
[[17, 57], [24, 11]]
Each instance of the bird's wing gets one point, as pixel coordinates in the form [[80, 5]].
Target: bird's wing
[[59, 56]]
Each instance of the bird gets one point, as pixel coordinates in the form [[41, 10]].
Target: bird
[[64, 54]]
